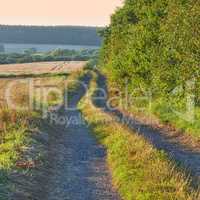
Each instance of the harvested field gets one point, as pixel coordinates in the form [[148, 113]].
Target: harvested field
[[16, 93], [21, 86], [41, 68]]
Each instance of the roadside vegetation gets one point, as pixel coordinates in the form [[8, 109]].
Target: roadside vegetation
[[20, 152], [32, 75], [139, 171], [15, 138], [151, 49]]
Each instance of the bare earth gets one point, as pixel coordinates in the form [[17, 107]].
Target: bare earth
[[77, 169], [78, 166], [41, 67]]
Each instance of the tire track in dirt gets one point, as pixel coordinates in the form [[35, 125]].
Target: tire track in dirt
[[77, 168], [185, 155]]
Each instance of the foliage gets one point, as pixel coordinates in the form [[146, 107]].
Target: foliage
[[154, 47], [2, 49], [57, 55]]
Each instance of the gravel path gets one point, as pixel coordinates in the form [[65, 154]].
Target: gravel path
[[75, 164], [78, 167]]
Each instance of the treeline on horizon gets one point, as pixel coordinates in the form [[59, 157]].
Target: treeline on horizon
[[30, 55], [154, 46], [72, 35]]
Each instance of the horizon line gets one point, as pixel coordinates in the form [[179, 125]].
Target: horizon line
[[54, 25]]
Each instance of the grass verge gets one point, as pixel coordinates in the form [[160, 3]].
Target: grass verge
[[166, 113], [180, 112], [139, 171], [15, 139], [19, 150], [171, 112]]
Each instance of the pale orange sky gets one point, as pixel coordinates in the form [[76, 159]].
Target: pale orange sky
[[57, 12]]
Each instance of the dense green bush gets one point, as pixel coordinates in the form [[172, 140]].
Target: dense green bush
[[154, 45]]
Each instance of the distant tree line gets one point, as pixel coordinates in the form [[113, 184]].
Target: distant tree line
[[74, 35], [2, 49], [57, 55]]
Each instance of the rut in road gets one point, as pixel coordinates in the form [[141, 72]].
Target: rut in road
[[78, 170], [77, 167], [185, 155]]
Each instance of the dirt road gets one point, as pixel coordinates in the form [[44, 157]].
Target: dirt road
[[75, 167]]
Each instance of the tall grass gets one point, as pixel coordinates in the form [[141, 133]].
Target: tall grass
[[15, 125], [167, 115], [14, 140]]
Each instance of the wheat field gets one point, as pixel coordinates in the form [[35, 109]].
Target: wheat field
[[41, 68]]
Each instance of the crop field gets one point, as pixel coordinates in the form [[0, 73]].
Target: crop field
[[40, 68], [18, 91]]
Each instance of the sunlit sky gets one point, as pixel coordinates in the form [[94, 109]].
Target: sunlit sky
[[57, 12]]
